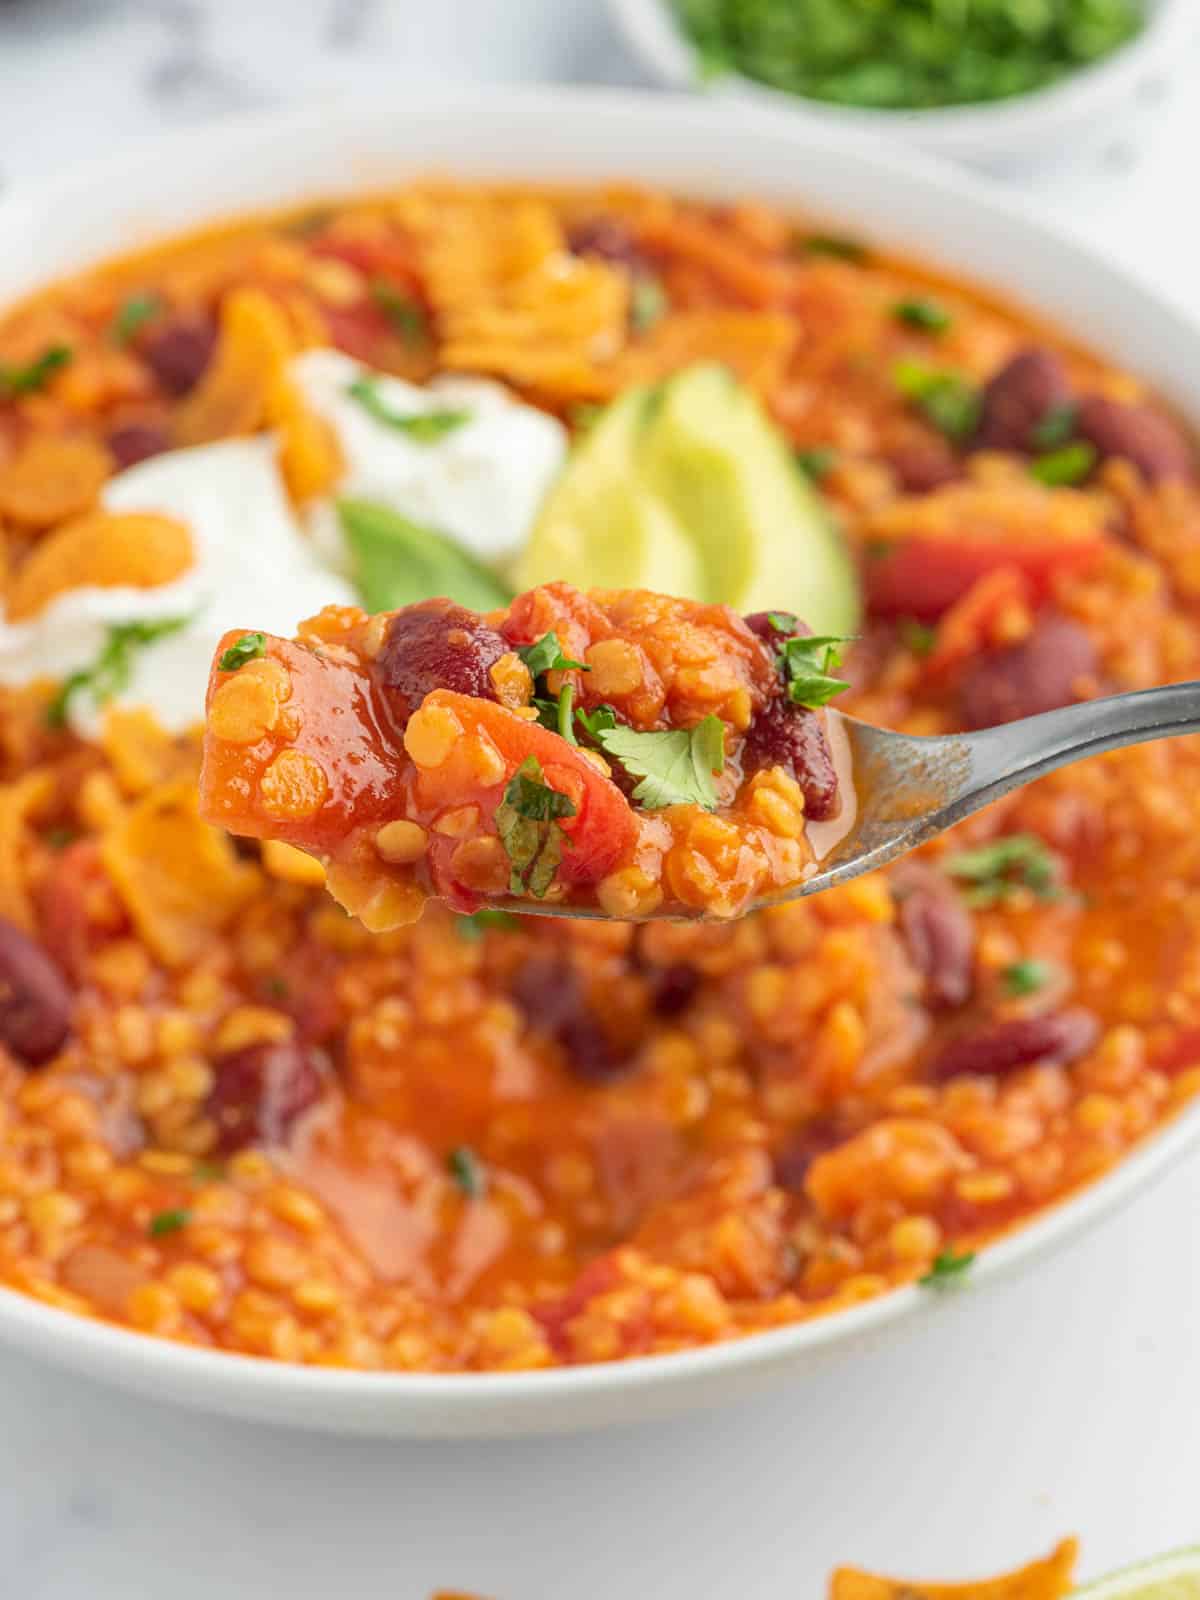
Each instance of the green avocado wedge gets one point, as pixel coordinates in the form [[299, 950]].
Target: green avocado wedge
[[598, 527], [687, 488]]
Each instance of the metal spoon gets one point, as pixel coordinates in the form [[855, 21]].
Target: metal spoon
[[898, 791]]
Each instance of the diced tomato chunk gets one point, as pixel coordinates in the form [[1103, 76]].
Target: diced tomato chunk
[[967, 627], [924, 577]]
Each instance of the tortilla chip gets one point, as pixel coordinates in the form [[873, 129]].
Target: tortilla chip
[[18, 801], [51, 479], [105, 550], [1049, 1579], [181, 881], [232, 398]]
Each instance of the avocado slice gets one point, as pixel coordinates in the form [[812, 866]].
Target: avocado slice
[[766, 539], [687, 488], [598, 528]]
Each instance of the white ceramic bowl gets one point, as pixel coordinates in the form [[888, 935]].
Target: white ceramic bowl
[[54, 227], [1007, 136]]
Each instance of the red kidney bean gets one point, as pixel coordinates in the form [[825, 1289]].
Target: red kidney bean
[[674, 988], [792, 737], [35, 1001], [1039, 674], [1155, 444], [554, 998], [921, 468], [607, 239], [939, 932], [438, 645], [137, 441], [1062, 1036], [260, 1090], [793, 1159], [1020, 395], [179, 352]]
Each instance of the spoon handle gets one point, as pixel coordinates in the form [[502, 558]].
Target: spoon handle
[[1004, 758]]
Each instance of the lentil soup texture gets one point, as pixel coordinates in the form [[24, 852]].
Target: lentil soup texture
[[233, 1116]]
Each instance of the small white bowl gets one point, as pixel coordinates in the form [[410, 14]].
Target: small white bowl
[[1028, 131], [902, 201]]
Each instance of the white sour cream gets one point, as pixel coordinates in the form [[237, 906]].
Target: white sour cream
[[481, 483], [254, 568]]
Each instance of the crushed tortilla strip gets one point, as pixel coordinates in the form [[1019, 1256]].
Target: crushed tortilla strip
[[18, 802], [232, 398], [52, 478], [310, 457], [754, 345], [103, 550], [142, 753], [180, 880], [1048, 1579]]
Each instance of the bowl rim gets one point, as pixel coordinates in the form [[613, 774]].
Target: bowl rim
[[978, 128], [476, 1404]]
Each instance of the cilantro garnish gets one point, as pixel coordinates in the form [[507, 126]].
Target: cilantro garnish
[[1067, 466], [248, 648], [547, 656], [930, 316], [527, 821], [818, 462], [59, 838], [1056, 428], [467, 1170], [676, 767], [949, 402], [30, 378], [918, 637], [109, 673], [425, 427], [404, 313], [473, 928], [949, 1270], [597, 721], [164, 1222], [648, 303], [808, 667], [994, 871], [133, 313], [831, 244], [1027, 977], [584, 416]]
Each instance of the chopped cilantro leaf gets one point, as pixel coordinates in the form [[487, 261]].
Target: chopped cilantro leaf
[[406, 315], [996, 870], [424, 427], [785, 622], [1069, 465], [29, 379], [676, 767], [1056, 428], [817, 463], [949, 402], [132, 315], [565, 722], [949, 1270], [832, 244], [278, 988], [918, 637], [1027, 977], [468, 1171], [808, 666], [596, 722], [164, 1222], [527, 822], [584, 416], [648, 303], [547, 656], [927, 315], [109, 673], [248, 648], [473, 928], [59, 838]]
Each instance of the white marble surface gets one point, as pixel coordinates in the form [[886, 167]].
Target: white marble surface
[[1064, 1401]]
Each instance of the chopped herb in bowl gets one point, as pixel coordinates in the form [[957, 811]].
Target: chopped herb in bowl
[[906, 54]]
